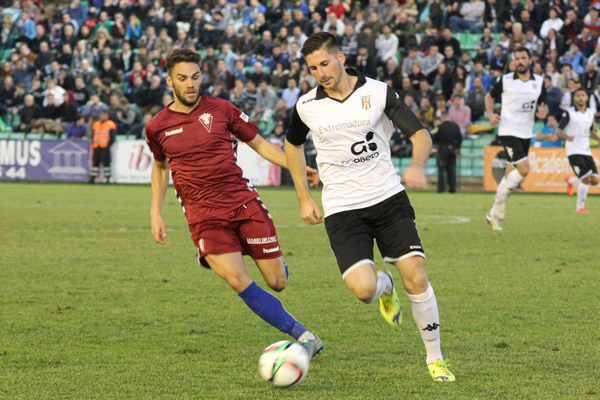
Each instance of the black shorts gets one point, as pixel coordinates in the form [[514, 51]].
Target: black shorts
[[583, 166], [516, 148], [391, 223]]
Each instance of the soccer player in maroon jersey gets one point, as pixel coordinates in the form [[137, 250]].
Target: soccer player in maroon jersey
[[198, 135]]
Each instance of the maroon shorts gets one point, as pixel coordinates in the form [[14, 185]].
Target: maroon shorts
[[248, 229]]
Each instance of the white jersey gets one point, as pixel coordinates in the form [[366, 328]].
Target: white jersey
[[519, 103], [352, 142], [577, 124]]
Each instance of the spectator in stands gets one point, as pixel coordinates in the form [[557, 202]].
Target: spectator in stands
[[589, 80], [50, 118], [476, 99], [365, 63], [567, 99], [224, 75], [470, 17], [103, 139], [511, 13], [152, 97], [348, 44], [409, 99], [291, 93], [553, 22], [444, 81], [392, 74], [247, 101], [416, 76], [430, 63], [425, 91], [426, 113], [565, 76], [265, 102], [547, 136], [572, 26], [404, 29], [77, 129], [219, 90], [486, 79], [387, 46], [451, 59], [440, 105], [533, 43], [93, 107], [258, 75], [448, 139], [28, 113], [553, 97], [228, 56], [460, 113], [128, 116], [134, 30], [498, 62], [412, 59], [575, 58]]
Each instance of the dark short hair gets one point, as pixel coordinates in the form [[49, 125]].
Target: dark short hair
[[178, 56], [318, 41], [523, 50]]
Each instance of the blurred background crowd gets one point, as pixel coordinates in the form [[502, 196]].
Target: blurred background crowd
[[63, 62]]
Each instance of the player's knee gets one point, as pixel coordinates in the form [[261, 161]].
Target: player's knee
[[594, 180], [277, 283], [417, 284], [238, 282], [364, 292]]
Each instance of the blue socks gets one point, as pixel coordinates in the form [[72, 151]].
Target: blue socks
[[269, 308]]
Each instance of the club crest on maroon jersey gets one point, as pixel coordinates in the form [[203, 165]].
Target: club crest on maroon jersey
[[206, 120]]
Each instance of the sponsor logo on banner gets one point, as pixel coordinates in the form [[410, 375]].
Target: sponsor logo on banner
[[548, 168], [48, 160], [132, 162]]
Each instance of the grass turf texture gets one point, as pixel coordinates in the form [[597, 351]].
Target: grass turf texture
[[92, 308]]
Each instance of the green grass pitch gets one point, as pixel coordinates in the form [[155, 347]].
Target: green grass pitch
[[92, 308]]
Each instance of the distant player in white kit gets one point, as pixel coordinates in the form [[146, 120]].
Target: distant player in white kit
[[522, 93], [350, 117], [576, 126]]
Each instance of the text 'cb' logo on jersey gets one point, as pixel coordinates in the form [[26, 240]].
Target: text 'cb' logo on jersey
[[529, 106], [360, 147]]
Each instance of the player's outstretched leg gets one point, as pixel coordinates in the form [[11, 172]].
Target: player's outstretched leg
[[368, 286], [389, 305], [425, 314], [571, 181], [232, 269]]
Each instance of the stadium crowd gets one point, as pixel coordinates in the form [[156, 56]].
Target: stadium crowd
[[66, 61]]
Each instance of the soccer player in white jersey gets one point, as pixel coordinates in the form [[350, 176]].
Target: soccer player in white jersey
[[363, 199], [522, 93], [576, 126]]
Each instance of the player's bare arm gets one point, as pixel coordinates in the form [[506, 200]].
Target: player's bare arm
[[274, 154], [593, 133], [160, 182], [414, 175], [561, 134], [489, 107], [296, 161]]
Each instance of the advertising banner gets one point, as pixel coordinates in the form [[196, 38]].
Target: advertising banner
[[44, 160], [549, 166], [133, 162]]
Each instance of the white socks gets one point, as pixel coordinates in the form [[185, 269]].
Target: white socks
[[582, 191], [507, 184], [306, 335], [384, 285], [574, 181], [426, 316]]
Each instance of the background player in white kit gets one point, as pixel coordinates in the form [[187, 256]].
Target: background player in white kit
[[363, 199], [522, 93], [576, 126]]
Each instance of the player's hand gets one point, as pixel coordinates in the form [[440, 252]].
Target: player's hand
[[159, 230], [542, 111], [415, 177], [313, 176], [310, 213], [570, 138], [495, 119]]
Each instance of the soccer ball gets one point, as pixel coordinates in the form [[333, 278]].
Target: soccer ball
[[284, 364]]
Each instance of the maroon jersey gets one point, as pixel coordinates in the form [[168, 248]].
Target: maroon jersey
[[201, 149]]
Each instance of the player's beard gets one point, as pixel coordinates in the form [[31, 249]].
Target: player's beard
[[184, 100], [521, 69]]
